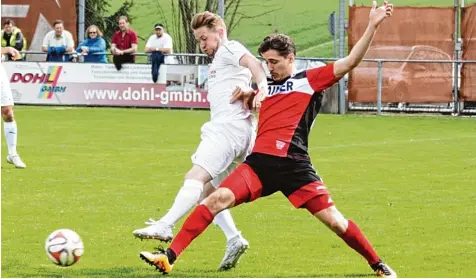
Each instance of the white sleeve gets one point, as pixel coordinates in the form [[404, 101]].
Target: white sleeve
[[46, 40], [69, 40], [234, 51], [168, 42]]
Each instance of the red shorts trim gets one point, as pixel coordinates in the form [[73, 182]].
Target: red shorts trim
[[244, 183], [299, 197], [318, 203]]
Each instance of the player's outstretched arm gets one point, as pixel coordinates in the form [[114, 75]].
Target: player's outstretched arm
[[376, 17], [257, 70]]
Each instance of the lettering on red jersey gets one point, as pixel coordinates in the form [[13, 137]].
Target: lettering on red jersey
[[288, 112]]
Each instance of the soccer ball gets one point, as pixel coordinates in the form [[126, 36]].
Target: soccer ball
[[64, 247]]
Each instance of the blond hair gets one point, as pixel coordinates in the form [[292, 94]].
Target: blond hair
[[209, 20], [97, 30]]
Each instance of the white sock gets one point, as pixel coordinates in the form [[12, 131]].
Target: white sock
[[226, 224], [186, 199], [10, 130]]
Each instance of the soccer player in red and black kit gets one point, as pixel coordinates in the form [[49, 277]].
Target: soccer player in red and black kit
[[280, 160]]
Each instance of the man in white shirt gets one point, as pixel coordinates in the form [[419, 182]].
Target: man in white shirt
[[160, 42], [225, 140], [57, 42]]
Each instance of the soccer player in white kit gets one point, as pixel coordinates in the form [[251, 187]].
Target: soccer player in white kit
[[225, 140], [9, 125]]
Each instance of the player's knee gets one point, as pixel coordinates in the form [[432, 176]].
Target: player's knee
[[333, 219], [7, 114], [198, 173], [208, 189], [219, 200]]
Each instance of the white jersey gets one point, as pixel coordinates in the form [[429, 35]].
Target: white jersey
[[224, 75]]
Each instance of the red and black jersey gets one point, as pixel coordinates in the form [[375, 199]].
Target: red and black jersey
[[288, 112]]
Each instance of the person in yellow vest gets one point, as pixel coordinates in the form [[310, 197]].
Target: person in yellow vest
[[13, 37]]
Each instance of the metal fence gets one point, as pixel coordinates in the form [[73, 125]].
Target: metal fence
[[450, 103], [447, 100], [447, 90], [453, 104]]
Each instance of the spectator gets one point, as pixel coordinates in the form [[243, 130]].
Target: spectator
[[94, 43], [124, 43], [58, 42], [13, 37], [160, 42]]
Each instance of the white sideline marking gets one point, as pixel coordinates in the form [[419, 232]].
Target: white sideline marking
[[335, 146], [387, 142], [35, 108]]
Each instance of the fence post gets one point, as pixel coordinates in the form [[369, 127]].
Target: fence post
[[81, 8], [342, 54], [379, 87], [332, 26], [221, 8], [456, 104]]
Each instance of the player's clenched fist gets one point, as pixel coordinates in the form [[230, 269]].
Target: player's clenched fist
[[377, 15], [248, 98]]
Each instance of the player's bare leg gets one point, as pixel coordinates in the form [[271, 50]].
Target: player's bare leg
[[11, 131], [196, 223], [351, 234], [187, 197], [196, 187], [236, 244]]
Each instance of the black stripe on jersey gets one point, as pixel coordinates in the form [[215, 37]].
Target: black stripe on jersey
[[298, 148], [299, 75]]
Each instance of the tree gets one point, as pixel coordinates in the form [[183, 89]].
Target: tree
[[182, 14], [96, 12]]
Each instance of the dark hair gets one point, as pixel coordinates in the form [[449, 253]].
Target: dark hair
[[280, 42], [58, 21], [8, 22]]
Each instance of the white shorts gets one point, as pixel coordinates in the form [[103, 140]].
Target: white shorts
[[7, 97], [224, 146]]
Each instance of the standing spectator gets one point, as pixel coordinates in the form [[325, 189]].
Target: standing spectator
[[13, 37], [160, 42], [124, 43], [58, 42], [94, 43]]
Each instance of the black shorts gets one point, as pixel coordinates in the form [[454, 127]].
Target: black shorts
[[265, 174]]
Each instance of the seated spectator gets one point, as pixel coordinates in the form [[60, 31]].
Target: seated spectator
[[13, 37], [94, 43], [124, 43], [160, 42], [58, 42]]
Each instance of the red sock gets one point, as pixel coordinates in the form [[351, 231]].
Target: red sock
[[195, 224], [357, 241]]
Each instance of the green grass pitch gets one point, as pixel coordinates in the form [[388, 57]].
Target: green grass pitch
[[408, 181]]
